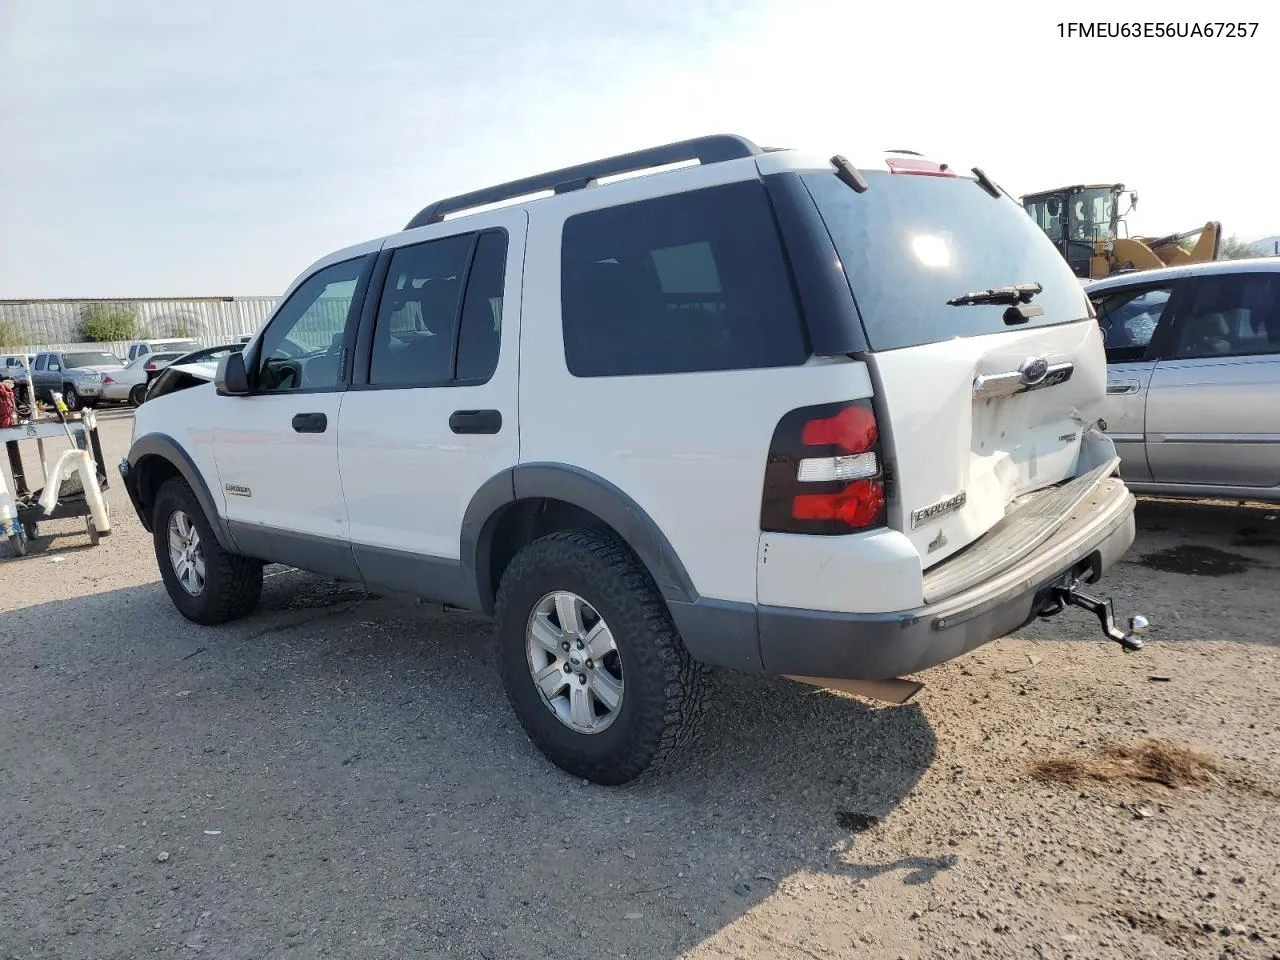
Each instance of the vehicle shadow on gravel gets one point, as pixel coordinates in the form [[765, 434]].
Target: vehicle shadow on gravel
[[341, 775]]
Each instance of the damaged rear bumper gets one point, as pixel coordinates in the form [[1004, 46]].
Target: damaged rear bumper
[[880, 646]]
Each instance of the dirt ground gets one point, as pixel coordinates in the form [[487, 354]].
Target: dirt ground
[[340, 776]]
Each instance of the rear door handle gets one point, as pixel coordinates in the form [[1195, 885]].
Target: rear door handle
[[475, 421], [1123, 386], [310, 422]]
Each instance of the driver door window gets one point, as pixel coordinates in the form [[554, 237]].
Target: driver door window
[[305, 345]]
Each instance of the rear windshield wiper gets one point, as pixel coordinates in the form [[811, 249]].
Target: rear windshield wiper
[[1020, 293]]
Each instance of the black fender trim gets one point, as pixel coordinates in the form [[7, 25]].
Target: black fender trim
[[163, 446], [558, 481], [715, 632]]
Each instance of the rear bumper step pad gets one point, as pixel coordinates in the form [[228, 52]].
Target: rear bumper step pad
[[1014, 538]]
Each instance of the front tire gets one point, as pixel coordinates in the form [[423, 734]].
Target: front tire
[[565, 600], [207, 584], [70, 397]]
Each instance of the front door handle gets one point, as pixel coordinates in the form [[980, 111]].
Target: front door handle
[[310, 422], [1123, 386], [475, 421]]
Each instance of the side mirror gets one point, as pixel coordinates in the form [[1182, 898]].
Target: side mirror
[[232, 379]]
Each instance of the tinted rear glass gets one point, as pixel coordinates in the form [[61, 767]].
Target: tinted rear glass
[[688, 282], [73, 360], [911, 243]]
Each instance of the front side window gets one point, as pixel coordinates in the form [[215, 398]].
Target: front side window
[[1230, 315], [303, 346], [689, 282]]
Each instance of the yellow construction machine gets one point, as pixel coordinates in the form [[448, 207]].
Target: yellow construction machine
[[1084, 223]]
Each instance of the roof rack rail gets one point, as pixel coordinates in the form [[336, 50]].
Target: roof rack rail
[[713, 149]]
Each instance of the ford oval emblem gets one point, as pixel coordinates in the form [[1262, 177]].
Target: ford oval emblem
[[1033, 370]]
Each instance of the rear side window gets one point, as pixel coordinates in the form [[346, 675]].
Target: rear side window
[[418, 315], [909, 244], [480, 333], [440, 317], [689, 282]]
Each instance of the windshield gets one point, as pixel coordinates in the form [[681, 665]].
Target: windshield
[[90, 360], [1091, 213], [909, 244]]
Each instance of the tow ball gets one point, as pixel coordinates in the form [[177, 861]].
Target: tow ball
[[1069, 594]]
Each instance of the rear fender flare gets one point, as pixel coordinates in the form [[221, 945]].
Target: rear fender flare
[[596, 495]]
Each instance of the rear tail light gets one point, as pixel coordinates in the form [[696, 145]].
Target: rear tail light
[[107, 379], [825, 474], [150, 366], [918, 166]]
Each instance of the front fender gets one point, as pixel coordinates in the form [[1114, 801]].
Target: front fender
[[146, 454]]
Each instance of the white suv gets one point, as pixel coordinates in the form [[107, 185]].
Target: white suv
[[769, 411]]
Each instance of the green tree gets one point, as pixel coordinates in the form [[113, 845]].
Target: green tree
[[104, 322], [1233, 248], [10, 335]]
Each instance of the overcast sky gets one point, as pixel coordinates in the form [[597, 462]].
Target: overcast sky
[[161, 148]]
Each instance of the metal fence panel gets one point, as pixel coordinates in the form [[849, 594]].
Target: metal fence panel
[[38, 325]]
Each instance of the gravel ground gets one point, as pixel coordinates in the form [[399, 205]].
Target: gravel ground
[[339, 775]]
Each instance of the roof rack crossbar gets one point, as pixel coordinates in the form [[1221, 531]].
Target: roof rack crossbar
[[713, 149]]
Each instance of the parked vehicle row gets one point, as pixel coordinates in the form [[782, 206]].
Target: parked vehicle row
[[89, 377], [646, 427]]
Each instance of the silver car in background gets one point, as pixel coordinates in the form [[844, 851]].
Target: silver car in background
[[1193, 371]]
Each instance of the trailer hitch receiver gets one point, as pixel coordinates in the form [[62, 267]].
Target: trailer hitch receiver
[[1069, 594]]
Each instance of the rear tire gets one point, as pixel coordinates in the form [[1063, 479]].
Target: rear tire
[[657, 687], [137, 394], [206, 583]]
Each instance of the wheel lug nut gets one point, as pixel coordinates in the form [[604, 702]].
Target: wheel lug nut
[[565, 645], [568, 669], [591, 665], [580, 644], [582, 678]]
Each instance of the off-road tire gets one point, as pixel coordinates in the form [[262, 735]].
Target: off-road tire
[[664, 686], [232, 584]]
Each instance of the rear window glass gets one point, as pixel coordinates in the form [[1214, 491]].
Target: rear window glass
[[693, 281], [74, 360], [911, 243]]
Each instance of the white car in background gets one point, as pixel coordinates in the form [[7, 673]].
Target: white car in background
[[130, 384]]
